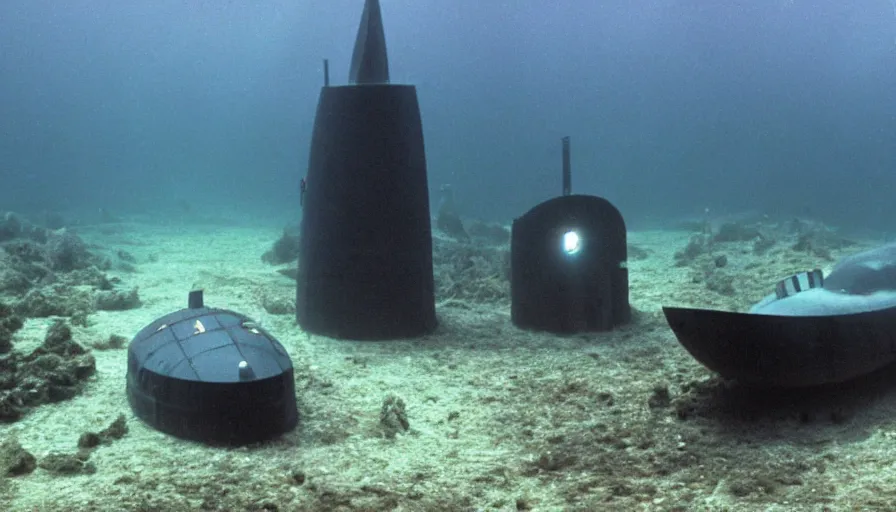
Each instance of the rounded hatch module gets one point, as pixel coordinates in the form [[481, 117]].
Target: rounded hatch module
[[211, 375]]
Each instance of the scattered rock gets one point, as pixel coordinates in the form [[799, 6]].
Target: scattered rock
[[660, 396], [54, 300], [762, 244], [285, 249], [451, 225], [117, 300], [67, 464], [13, 282], [9, 324], [57, 370], [278, 305], [297, 477], [720, 261], [697, 245], [14, 459], [494, 234], [50, 271], [736, 232], [720, 282], [68, 252], [28, 257], [467, 272], [114, 341], [393, 417], [448, 219], [125, 256], [114, 431]]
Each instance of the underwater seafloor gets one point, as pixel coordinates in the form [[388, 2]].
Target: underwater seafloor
[[496, 418]]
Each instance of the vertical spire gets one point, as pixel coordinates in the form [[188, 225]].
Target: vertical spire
[[370, 65]]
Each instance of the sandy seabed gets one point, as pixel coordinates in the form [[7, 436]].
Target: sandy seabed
[[499, 418]]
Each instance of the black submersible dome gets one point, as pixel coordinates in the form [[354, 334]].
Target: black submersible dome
[[211, 375], [568, 263], [365, 255]]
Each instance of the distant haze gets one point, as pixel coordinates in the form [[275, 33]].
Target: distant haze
[[787, 107]]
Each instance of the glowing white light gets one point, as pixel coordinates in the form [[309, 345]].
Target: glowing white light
[[572, 243]]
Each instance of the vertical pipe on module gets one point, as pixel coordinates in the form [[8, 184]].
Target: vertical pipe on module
[[567, 171]]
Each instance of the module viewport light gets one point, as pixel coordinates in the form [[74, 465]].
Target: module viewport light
[[572, 243]]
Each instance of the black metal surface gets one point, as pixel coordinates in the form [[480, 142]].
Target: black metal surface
[[554, 292], [788, 351], [370, 63], [195, 299], [365, 256], [184, 379]]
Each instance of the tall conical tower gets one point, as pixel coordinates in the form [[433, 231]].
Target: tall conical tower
[[365, 258]]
